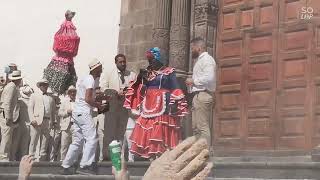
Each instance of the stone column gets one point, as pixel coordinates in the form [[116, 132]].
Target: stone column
[[161, 29], [204, 22], [179, 49], [179, 35]]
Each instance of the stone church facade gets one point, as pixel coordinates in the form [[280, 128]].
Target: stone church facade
[[268, 57]]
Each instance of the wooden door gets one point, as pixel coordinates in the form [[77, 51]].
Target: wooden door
[[246, 54], [268, 76]]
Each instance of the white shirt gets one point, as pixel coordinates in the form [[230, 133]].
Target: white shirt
[[128, 77], [87, 82], [204, 73], [46, 103], [131, 123]]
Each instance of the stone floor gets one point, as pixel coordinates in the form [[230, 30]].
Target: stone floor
[[226, 168]]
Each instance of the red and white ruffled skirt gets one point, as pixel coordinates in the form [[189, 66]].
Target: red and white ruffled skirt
[[153, 136]]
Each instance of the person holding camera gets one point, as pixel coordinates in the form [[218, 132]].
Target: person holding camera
[[116, 82], [159, 103], [84, 132]]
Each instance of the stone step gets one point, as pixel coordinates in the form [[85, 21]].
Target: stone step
[[243, 168], [105, 177]]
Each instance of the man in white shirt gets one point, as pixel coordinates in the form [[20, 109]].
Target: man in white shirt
[[203, 83], [84, 132], [42, 110], [118, 79]]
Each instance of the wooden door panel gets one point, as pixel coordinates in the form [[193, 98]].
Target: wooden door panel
[[290, 11], [293, 87], [260, 60], [229, 108], [246, 86], [260, 89], [315, 71]]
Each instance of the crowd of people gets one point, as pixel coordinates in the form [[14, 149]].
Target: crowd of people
[[144, 110]]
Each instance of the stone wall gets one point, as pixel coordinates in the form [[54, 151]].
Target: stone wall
[[136, 27], [168, 24]]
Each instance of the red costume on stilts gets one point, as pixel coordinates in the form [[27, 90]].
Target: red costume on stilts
[[60, 72]]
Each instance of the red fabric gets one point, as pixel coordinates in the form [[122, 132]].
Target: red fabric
[[66, 40], [177, 96], [154, 103], [133, 98], [155, 136]]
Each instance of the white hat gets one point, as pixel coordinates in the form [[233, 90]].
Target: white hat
[[42, 81], [26, 90], [15, 75], [12, 65], [94, 64], [71, 88]]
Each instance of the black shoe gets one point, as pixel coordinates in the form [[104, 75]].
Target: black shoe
[[68, 171], [87, 170]]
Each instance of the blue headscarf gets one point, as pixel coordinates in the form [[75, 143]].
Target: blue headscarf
[[157, 54]]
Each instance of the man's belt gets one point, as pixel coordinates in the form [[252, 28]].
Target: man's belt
[[209, 92]]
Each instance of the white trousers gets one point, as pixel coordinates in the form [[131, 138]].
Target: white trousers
[[84, 132], [129, 143]]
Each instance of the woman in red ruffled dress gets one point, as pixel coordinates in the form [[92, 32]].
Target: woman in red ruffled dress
[[159, 103], [60, 72]]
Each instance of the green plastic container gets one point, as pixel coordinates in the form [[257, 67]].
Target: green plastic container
[[115, 153]]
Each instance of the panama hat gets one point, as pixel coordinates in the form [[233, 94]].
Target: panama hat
[[12, 65], [26, 89], [42, 81], [15, 75], [94, 64], [71, 88]]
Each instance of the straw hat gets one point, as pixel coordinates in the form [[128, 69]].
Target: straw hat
[[26, 90], [15, 75], [94, 64], [71, 88], [42, 81]]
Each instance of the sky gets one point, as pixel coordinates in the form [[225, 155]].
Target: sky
[[28, 27]]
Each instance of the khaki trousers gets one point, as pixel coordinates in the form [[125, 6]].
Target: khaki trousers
[[20, 145], [36, 133], [202, 108], [54, 144], [6, 141], [66, 139]]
